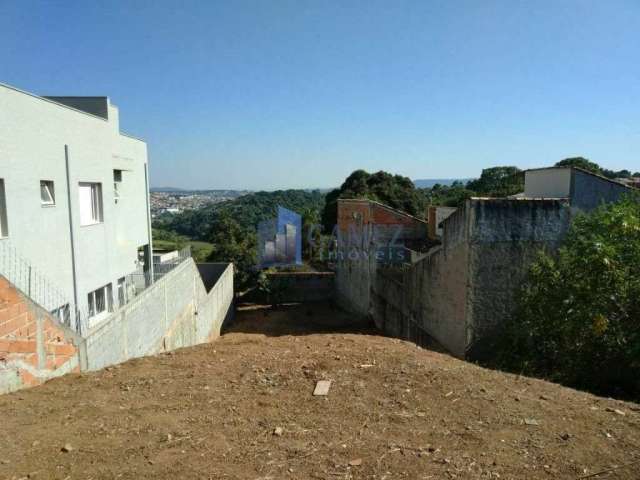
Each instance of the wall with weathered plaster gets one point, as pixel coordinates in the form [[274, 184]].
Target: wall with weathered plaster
[[590, 191], [505, 237], [429, 298], [461, 291]]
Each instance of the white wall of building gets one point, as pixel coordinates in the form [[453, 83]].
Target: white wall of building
[[547, 183], [33, 135]]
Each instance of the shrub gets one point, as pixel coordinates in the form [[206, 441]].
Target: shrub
[[578, 320]]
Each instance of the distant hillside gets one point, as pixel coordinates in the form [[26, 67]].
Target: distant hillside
[[247, 210], [166, 189], [209, 193], [430, 182]]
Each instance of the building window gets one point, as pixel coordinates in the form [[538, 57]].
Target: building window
[[47, 193], [4, 228], [62, 314], [122, 292], [100, 301], [117, 182], [90, 203]]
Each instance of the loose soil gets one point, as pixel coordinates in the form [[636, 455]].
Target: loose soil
[[242, 408]]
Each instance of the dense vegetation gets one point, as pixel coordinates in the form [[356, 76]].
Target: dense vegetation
[[168, 240], [247, 211], [590, 166], [227, 230], [493, 182], [578, 321], [505, 181], [393, 190]]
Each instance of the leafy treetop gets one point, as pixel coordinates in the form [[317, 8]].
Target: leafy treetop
[[395, 191]]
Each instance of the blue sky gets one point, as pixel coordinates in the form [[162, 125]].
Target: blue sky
[[287, 94]]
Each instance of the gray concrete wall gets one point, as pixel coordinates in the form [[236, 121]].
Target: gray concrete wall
[[548, 183], [175, 312], [590, 191], [429, 298], [505, 237], [461, 291], [353, 284], [33, 135]]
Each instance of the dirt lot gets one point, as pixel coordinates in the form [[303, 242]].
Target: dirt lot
[[242, 408]]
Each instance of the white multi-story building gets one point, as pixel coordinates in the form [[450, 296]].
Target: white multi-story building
[[74, 199]]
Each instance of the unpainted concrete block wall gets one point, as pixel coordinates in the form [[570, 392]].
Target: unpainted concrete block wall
[[174, 312]]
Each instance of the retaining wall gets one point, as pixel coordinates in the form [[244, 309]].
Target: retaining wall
[[177, 311], [461, 291]]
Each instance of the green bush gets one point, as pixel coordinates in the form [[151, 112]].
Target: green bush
[[578, 320]]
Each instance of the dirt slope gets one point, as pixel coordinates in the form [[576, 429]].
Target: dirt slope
[[393, 411]]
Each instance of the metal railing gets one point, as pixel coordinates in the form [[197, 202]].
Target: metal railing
[[32, 281], [123, 293], [100, 303]]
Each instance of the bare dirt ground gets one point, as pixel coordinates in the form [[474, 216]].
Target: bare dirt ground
[[242, 408]]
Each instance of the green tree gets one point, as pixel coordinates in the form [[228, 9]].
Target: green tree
[[498, 182], [232, 243], [395, 191], [579, 317], [166, 239], [580, 162], [452, 195]]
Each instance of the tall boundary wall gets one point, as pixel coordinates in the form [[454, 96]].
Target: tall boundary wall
[[360, 224], [175, 312], [461, 291], [179, 310]]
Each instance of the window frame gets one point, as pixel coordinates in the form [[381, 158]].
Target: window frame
[[96, 203], [50, 189], [4, 217], [117, 183], [95, 309]]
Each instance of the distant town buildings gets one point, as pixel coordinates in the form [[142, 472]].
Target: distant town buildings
[[174, 202]]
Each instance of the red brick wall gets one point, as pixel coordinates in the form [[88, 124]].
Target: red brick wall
[[353, 212], [33, 346], [364, 212]]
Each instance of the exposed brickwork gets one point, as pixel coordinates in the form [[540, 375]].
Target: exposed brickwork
[[33, 347], [356, 215]]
